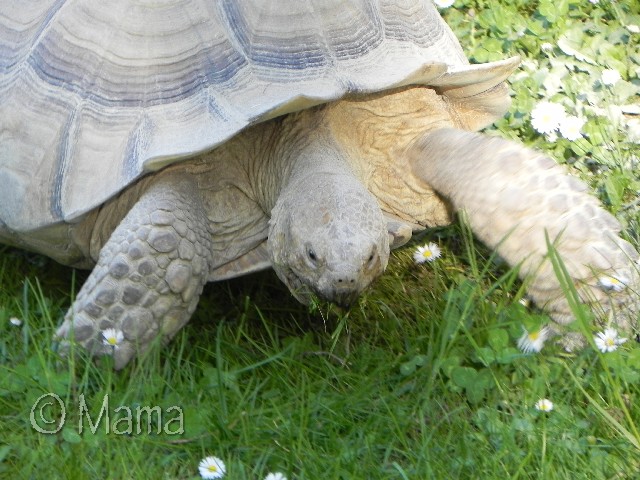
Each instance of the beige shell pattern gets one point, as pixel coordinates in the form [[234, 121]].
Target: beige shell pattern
[[94, 94]]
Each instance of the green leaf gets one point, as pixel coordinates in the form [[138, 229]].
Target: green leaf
[[420, 360], [626, 91], [4, 451], [481, 384], [553, 10], [508, 355], [195, 421], [464, 376], [537, 28], [486, 356], [490, 50], [498, 339], [476, 393], [633, 358], [70, 435], [571, 43], [407, 368], [449, 364], [615, 186]]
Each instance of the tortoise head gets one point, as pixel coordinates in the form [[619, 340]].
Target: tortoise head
[[328, 237]]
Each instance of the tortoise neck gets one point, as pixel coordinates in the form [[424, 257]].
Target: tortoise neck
[[301, 150], [317, 175], [317, 155]]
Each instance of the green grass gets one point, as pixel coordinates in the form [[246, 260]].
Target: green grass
[[422, 379]]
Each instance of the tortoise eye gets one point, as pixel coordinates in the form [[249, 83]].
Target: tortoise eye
[[312, 255], [372, 256]]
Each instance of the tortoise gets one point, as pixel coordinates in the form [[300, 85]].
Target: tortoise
[[168, 144]]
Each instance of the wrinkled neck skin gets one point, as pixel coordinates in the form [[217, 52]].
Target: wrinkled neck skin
[[327, 233]]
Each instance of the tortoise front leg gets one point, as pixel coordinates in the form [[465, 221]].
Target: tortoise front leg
[[513, 196], [149, 275]]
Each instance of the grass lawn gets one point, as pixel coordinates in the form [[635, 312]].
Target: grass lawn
[[422, 379]]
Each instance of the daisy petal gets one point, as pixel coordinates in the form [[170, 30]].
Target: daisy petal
[[609, 282], [608, 341], [610, 77], [544, 405], [571, 127], [534, 341], [427, 253], [546, 117], [112, 337], [15, 321], [443, 3], [211, 467], [275, 476]]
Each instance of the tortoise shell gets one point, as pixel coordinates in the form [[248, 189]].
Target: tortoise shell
[[95, 95]]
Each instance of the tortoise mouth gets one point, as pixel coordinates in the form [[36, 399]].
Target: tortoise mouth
[[343, 298], [298, 288], [306, 293]]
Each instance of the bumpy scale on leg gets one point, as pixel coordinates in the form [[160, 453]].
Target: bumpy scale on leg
[[149, 275], [512, 196]]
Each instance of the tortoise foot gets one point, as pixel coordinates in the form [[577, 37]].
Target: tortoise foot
[[147, 281]]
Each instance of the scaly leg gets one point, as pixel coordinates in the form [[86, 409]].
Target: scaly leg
[[149, 275], [512, 196]]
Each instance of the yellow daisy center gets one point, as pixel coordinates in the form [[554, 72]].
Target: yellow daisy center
[[212, 468], [609, 342], [111, 340], [427, 254], [534, 336]]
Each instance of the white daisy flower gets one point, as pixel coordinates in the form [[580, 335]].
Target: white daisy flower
[[551, 137], [610, 77], [444, 3], [211, 467], [112, 337], [553, 83], [633, 28], [608, 340], [546, 47], [544, 405], [427, 253], [617, 284], [633, 130], [15, 321], [534, 341], [595, 2], [275, 476], [571, 126], [546, 116]]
